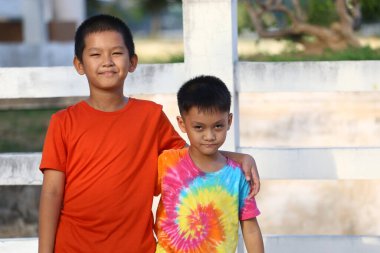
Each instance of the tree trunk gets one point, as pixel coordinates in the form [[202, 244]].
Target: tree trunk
[[340, 35]]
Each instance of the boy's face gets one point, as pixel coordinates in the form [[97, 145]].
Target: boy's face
[[105, 61], [206, 130]]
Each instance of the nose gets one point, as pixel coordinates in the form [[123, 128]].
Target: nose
[[108, 62], [209, 135]]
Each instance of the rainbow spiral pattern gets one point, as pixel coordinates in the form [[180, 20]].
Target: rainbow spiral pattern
[[200, 212]]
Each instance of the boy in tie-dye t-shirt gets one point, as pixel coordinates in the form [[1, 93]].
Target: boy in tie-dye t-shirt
[[204, 194]]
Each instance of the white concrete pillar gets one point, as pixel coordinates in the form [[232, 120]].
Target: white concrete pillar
[[34, 27], [210, 47], [69, 10]]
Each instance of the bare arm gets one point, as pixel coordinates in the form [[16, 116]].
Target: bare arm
[[252, 236], [50, 208], [250, 169]]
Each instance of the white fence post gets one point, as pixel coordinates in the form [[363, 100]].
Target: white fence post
[[33, 22], [69, 10], [210, 47]]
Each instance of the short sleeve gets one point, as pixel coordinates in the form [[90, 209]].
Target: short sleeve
[[168, 136], [54, 153], [247, 207], [160, 165], [167, 159]]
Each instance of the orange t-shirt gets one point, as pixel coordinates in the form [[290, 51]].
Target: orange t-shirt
[[110, 163]]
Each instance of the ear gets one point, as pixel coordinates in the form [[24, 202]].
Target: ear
[[181, 124], [78, 66], [133, 63], [229, 120]]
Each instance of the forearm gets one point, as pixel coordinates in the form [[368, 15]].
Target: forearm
[[252, 237], [48, 222], [49, 212], [255, 243]]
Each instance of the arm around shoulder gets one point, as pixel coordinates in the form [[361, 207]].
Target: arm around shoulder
[[252, 236], [50, 208], [249, 167]]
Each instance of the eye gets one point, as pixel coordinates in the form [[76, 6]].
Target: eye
[[219, 126], [94, 54], [197, 127], [117, 53]]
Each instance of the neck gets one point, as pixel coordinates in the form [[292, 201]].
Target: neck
[[207, 163], [107, 102]]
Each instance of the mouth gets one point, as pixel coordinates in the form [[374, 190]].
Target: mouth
[[209, 145], [107, 73]]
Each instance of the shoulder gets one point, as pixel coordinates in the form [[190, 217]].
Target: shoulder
[[170, 159], [233, 164], [63, 114], [174, 152], [172, 155], [236, 170]]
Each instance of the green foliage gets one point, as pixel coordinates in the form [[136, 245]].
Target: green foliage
[[370, 10], [23, 130], [243, 19], [132, 14], [153, 6], [173, 58], [350, 54], [321, 12]]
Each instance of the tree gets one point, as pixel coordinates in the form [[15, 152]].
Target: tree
[[155, 9], [292, 20], [134, 10], [370, 10]]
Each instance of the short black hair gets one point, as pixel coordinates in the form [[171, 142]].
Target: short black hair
[[102, 23], [207, 93]]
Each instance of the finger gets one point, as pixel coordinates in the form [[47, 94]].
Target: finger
[[248, 175], [256, 185], [252, 190]]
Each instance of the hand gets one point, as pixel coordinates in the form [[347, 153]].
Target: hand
[[251, 174]]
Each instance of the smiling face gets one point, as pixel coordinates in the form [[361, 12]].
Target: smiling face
[[206, 130], [105, 61]]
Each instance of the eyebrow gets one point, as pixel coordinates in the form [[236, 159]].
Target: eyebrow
[[113, 48], [216, 122]]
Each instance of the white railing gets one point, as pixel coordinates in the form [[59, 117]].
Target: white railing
[[210, 48]]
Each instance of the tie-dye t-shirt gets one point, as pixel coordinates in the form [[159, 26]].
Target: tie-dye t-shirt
[[198, 211]]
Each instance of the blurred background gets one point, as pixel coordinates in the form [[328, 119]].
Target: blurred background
[[40, 33]]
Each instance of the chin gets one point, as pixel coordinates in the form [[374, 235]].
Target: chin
[[209, 152]]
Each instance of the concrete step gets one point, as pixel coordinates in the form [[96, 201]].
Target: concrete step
[[273, 244]]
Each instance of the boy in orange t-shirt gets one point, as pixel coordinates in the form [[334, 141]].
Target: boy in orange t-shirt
[[100, 155]]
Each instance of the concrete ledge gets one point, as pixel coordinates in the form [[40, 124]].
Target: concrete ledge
[[321, 244], [19, 245], [279, 163], [322, 76], [273, 244], [316, 163], [45, 82], [20, 169]]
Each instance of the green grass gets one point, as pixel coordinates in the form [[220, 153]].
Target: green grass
[[351, 54], [23, 130]]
